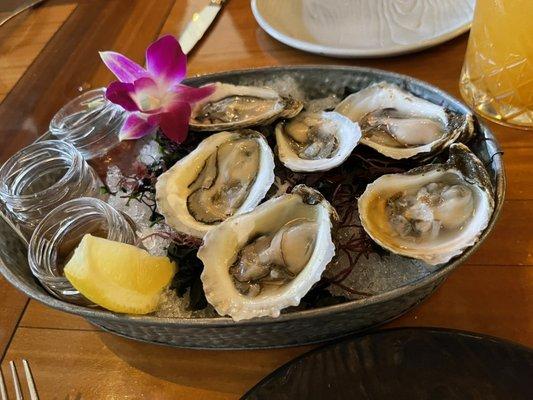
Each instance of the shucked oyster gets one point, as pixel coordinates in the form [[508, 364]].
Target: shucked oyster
[[228, 173], [400, 125], [433, 212], [274, 258], [258, 263], [316, 141], [232, 107]]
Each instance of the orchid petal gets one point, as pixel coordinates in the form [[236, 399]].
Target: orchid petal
[[146, 84], [148, 95], [124, 69], [190, 94], [175, 122], [135, 127], [122, 94], [165, 61]]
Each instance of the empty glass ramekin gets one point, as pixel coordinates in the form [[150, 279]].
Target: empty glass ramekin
[[58, 234], [90, 122], [42, 176]]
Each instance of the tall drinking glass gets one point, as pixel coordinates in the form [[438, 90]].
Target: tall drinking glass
[[497, 76]]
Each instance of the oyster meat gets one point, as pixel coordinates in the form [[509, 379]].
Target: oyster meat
[[316, 141], [232, 107], [400, 125], [433, 212], [258, 263], [228, 173]]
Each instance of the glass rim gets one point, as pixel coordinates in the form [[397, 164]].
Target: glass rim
[[60, 114], [77, 161], [98, 205]]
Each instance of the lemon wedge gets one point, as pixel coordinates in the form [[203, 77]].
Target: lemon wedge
[[118, 276]]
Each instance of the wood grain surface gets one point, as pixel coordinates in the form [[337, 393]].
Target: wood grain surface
[[47, 55]]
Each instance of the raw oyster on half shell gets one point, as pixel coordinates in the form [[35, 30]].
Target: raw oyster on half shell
[[229, 173], [258, 263], [233, 107], [433, 212], [316, 141], [401, 125]]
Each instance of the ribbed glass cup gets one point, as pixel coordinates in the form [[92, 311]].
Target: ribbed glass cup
[[90, 122], [497, 76], [55, 238], [42, 176]]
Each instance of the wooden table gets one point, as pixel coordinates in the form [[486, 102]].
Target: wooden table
[[48, 54]]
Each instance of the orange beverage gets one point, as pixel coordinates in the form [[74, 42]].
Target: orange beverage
[[497, 76]]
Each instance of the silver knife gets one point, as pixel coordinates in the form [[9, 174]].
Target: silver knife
[[200, 22], [23, 7]]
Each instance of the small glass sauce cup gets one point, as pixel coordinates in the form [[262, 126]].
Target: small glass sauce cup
[[90, 122], [58, 234], [42, 176]]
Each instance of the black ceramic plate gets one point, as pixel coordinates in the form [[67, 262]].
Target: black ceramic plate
[[409, 363]]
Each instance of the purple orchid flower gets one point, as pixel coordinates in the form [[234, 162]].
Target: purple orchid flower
[[154, 97]]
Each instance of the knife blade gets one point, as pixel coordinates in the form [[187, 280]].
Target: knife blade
[[23, 7], [199, 24]]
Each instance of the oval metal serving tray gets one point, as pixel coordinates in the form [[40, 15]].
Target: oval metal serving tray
[[298, 327]]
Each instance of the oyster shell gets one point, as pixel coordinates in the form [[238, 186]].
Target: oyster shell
[[433, 212], [233, 107], [316, 141], [228, 173], [258, 263], [400, 125]]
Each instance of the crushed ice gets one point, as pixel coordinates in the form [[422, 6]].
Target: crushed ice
[[140, 214], [287, 85], [378, 274], [171, 305], [324, 103], [150, 153]]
